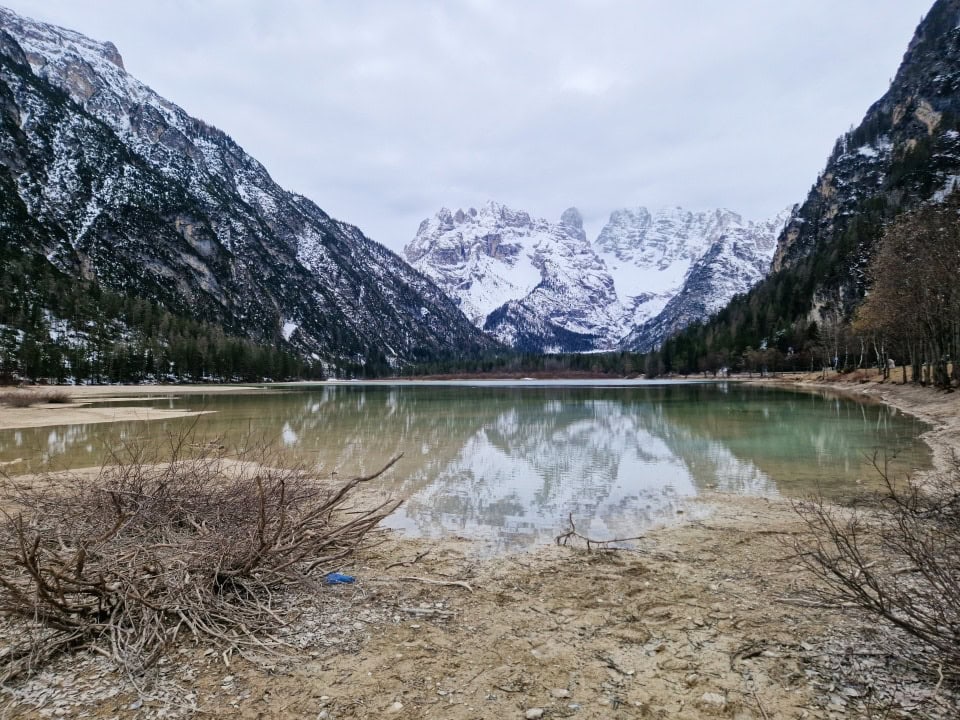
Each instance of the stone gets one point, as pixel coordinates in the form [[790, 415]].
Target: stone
[[559, 693], [533, 713], [713, 699]]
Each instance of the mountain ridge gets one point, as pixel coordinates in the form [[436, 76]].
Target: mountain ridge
[[544, 287], [134, 193]]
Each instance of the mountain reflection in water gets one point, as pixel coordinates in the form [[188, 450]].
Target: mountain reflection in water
[[510, 462]]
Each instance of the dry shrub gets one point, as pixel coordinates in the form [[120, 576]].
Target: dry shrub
[[125, 563], [19, 398], [26, 398], [858, 376], [898, 557], [59, 397]]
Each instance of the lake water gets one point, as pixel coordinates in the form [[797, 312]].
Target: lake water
[[507, 462]]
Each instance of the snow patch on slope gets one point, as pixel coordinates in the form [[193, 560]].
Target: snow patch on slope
[[540, 285], [493, 258]]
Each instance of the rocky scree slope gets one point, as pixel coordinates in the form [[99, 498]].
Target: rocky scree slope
[[542, 287], [109, 181]]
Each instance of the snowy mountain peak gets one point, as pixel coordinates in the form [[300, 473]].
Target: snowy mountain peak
[[666, 231], [737, 257], [572, 218], [543, 286], [49, 41], [498, 262], [649, 253]]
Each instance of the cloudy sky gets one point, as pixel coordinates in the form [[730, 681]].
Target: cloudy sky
[[382, 111]]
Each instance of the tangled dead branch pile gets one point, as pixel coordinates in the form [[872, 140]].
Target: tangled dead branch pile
[[898, 558], [125, 563]]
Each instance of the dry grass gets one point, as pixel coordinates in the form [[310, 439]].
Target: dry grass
[[58, 397], [199, 546], [26, 398]]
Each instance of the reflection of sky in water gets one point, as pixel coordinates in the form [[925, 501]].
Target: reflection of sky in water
[[509, 463]]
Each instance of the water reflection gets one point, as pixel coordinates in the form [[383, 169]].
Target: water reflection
[[510, 463]]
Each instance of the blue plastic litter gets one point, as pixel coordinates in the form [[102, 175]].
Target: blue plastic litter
[[336, 578]]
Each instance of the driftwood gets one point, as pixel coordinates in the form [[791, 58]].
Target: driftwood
[[444, 583], [126, 563], [428, 612], [407, 563], [565, 538]]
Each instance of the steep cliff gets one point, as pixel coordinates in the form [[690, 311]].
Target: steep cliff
[[906, 151], [113, 183]]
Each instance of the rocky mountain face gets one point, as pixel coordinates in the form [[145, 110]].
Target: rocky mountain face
[[674, 267], [108, 181], [532, 284], [650, 254], [733, 263], [544, 287], [904, 153]]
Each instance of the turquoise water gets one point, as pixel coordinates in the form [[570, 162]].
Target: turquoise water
[[508, 462]]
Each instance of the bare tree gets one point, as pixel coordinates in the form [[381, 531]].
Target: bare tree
[[914, 297]]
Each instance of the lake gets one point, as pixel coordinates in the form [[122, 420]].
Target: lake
[[507, 462]]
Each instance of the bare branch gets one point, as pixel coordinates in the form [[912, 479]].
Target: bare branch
[[198, 542]]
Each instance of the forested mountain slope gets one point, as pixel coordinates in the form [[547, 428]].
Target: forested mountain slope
[[904, 154], [110, 183]]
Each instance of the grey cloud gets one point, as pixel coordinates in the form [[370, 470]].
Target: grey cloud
[[383, 111]]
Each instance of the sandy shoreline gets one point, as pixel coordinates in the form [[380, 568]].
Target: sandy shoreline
[[87, 398], [51, 415], [707, 618]]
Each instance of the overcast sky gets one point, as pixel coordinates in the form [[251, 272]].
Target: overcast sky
[[383, 111]]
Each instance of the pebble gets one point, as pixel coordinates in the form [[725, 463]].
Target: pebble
[[395, 707], [560, 693], [533, 713], [712, 698]]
